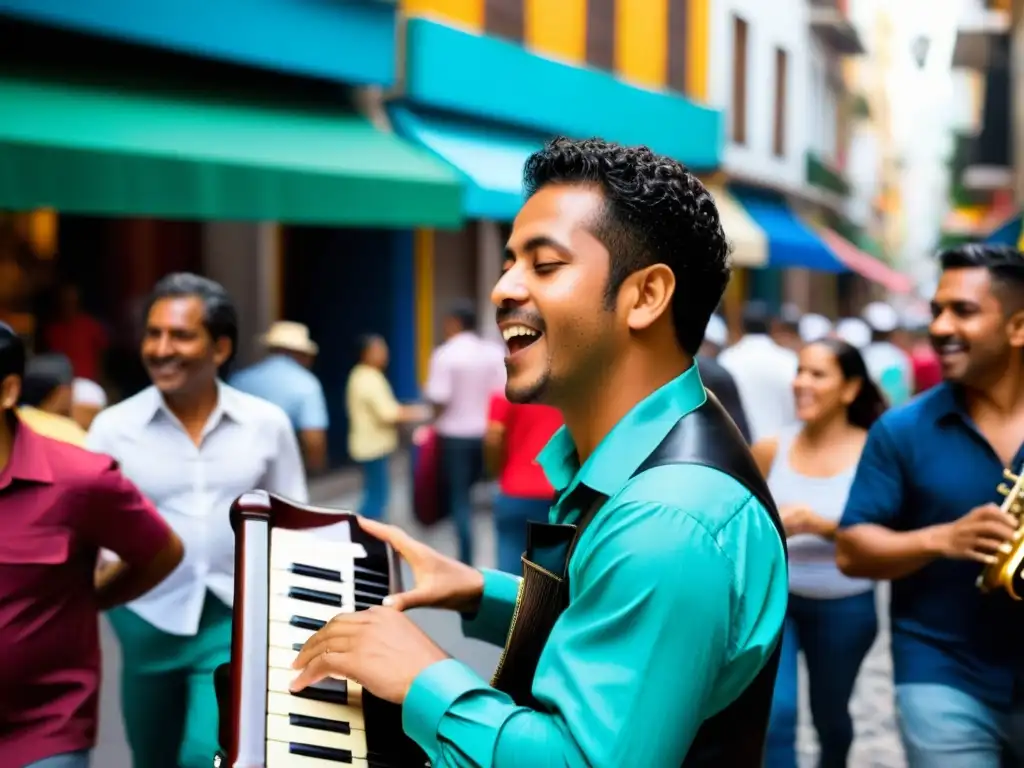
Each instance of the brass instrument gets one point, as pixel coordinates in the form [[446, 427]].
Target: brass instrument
[[1007, 572]]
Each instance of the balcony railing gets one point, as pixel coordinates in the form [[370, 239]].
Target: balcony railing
[[830, 21]]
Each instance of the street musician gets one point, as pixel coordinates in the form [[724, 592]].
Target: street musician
[[645, 629], [924, 512]]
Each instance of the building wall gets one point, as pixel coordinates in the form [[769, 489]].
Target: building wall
[[867, 135], [783, 24], [648, 43], [452, 266], [1017, 68], [343, 283], [455, 271], [245, 259], [823, 104]]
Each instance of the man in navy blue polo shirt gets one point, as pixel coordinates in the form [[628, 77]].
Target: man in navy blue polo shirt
[[923, 513]]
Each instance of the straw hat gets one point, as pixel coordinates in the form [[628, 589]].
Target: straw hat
[[294, 337]]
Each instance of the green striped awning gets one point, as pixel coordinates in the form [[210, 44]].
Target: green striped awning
[[98, 149]]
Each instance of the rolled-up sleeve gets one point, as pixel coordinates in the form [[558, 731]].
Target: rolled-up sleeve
[[643, 642], [114, 515], [876, 495]]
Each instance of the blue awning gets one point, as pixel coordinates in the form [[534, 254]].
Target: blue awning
[[489, 159], [791, 243], [1007, 234]]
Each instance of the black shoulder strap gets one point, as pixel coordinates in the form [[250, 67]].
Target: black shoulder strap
[[708, 436], [590, 509]]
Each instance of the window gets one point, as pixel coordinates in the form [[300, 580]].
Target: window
[[781, 80], [678, 44], [739, 80], [601, 34], [505, 19]]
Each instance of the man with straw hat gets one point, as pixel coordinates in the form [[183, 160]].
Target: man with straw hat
[[284, 378]]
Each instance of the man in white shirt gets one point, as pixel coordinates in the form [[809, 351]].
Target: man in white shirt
[[191, 444], [764, 373], [464, 372]]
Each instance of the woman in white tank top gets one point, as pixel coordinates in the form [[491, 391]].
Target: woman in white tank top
[[831, 618]]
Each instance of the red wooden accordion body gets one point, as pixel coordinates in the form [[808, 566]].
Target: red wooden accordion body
[[296, 567]]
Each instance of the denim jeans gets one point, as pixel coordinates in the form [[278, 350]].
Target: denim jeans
[[78, 759], [943, 727], [375, 488], [835, 635], [511, 515], [461, 465]]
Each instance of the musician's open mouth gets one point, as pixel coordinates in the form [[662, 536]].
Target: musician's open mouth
[[519, 337]]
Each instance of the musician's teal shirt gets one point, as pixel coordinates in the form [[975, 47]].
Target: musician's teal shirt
[[678, 594]]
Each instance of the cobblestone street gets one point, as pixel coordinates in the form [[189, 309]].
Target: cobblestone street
[[876, 745]]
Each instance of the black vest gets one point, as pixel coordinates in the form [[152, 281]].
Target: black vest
[[735, 737]]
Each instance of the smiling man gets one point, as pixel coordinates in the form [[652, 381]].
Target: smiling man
[[192, 444], [644, 629], [922, 513]]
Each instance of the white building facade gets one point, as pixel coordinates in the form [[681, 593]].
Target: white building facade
[[761, 81]]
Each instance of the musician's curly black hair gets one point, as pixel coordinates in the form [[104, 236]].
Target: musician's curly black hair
[[657, 212]]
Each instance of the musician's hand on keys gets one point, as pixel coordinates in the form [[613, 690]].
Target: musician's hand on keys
[[978, 535], [441, 582], [379, 648]]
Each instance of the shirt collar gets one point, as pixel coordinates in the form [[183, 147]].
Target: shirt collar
[[28, 459], [949, 403], [227, 405], [630, 441]]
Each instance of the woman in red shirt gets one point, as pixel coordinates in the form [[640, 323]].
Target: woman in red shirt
[[515, 435]]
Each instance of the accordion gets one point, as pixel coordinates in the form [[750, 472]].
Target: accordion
[[296, 567]]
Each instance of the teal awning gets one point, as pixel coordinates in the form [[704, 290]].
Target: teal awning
[[103, 149], [490, 159]]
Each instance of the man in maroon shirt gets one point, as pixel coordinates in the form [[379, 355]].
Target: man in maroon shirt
[[59, 505]]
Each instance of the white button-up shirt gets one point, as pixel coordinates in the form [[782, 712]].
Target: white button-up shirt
[[247, 443], [764, 374]]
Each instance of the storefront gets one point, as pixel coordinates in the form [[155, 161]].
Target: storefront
[[154, 160]]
